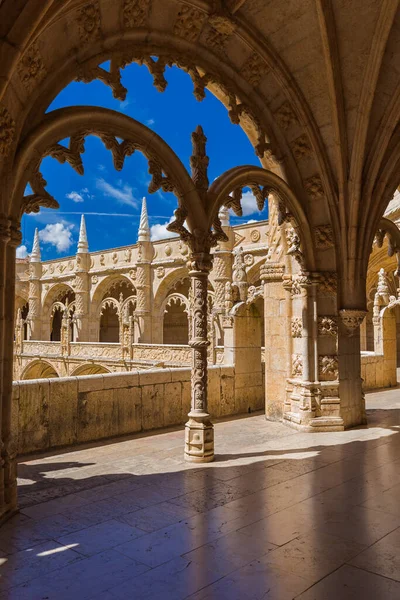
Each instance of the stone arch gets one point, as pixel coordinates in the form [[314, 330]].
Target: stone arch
[[176, 314], [101, 290], [53, 297], [90, 369], [39, 369]]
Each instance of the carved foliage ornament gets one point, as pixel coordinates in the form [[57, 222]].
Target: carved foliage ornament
[[328, 368], [31, 69], [135, 12], [89, 22], [189, 23], [296, 327], [324, 237], [254, 69], [7, 131], [285, 116], [314, 187], [297, 365], [327, 326]]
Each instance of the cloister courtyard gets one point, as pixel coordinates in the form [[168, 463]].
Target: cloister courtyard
[[199, 299]]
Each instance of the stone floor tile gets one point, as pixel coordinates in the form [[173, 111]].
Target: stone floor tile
[[175, 580], [34, 562], [157, 517], [383, 558], [85, 579], [97, 538], [54, 507], [388, 501], [314, 554], [348, 583]]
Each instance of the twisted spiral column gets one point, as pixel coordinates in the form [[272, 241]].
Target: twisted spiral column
[[199, 431]]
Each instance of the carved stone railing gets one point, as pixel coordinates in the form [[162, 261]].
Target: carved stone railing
[[170, 353], [90, 350], [41, 348]]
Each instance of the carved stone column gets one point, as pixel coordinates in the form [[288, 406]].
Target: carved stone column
[[143, 291], [35, 289], [9, 447], [82, 297], [352, 401], [199, 431], [277, 339]]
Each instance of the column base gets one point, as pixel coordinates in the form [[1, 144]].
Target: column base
[[315, 424], [199, 438]]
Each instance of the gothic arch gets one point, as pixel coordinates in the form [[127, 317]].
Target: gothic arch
[[39, 369], [167, 284], [101, 290], [90, 369]]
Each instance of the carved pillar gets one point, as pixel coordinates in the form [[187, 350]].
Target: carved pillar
[[143, 291], [199, 431], [352, 401], [35, 302], [9, 448], [277, 339], [65, 337], [82, 297]]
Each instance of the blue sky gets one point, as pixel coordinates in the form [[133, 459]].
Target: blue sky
[[111, 200]]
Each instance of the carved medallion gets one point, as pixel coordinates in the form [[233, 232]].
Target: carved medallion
[[255, 236]]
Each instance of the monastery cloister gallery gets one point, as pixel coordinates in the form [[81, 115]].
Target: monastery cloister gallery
[[234, 354]]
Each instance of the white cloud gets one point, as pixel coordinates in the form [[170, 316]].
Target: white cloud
[[124, 105], [251, 221], [150, 122], [74, 196], [122, 192], [22, 251], [58, 235], [159, 231], [101, 167], [249, 204]]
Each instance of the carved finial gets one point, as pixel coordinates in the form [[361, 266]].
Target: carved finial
[[83, 245], [35, 254], [144, 229], [199, 160]]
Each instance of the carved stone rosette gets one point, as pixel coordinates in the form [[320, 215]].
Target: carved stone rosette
[[352, 319], [199, 432]]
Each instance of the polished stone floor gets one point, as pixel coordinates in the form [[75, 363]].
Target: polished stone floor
[[279, 515]]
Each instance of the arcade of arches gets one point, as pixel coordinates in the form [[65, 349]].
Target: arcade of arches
[[316, 87]]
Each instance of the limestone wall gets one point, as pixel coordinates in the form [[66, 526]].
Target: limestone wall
[[49, 413], [377, 371]]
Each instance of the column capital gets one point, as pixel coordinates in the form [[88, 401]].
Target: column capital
[[352, 319], [199, 263]]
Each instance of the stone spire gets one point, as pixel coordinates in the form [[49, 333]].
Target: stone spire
[[83, 245], [35, 254], [144, 229]]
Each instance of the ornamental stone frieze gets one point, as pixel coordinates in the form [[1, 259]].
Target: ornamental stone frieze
[[296, 327]]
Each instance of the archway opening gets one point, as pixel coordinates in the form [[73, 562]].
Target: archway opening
[[39, 370]]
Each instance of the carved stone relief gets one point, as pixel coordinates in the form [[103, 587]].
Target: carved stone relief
[[314, 187], [297, 365], [327, 326], [189, 23], [301, 147], [7, 131], [328, 368], [296, 327], [135, 13], [89, 22], [324, 237], [254, 69], [285, 116], [31, 69]]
